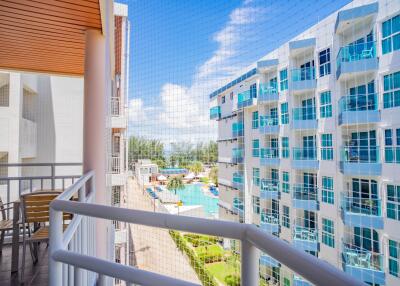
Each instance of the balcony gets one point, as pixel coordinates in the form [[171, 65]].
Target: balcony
[[237, 129], [269, 189], [28, 139], [238, 206], [267, 93], [269, 125], [303, 79], [237, 155], [392, 155], [215, 112], [118, 119], [269, 157], [268, 261], [356, 60], [359, 109], [305, 118], [305, 158], [245, 99], [363, 264], [238, 181], [360, 160], [362, 212], [305, 197], [305, 238], [298, 281], [269, 222]]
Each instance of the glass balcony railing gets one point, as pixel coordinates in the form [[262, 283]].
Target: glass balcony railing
[[215, 112], [269, 217], [237, 129], [305, 192], [269, 185], [356, 52], [364, 206], [268, 120], [392, 154], [301, 74], [360, 154], [267, 89], [305, 233], [304, 113], [269, 153], [356, 256], [305, 153], [237, 155], [237, 178], [359, 102], [238, 205]]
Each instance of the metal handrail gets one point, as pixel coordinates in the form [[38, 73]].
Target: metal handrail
[[252, 239]]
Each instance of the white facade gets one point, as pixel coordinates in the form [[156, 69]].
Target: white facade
[[337, 143]]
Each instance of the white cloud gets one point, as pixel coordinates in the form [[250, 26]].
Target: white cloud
[[184, 110]]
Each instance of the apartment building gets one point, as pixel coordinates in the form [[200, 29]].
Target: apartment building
[[119, 125], [309, 144]]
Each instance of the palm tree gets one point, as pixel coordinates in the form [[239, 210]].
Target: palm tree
[[196, 167], [175, 183]]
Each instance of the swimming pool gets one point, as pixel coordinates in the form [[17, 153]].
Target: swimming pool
[[193, 195]]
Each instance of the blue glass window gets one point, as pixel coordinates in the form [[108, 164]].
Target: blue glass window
[[327, 190], [256, 148], [285, 147], [393, 202], [256, 176], [325, 109], [283, 80], [286, 217], [328, 232], [326, 147], [324, 62], [285, 182], [391, 35], [254, 123], [391, 88], [284, 113], [394, 257]]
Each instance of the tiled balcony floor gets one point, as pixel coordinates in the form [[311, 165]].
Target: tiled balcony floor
[[35, 275]]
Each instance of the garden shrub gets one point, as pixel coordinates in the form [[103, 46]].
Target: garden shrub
[[232, 280]]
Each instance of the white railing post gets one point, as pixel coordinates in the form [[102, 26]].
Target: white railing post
[[56, 240], [249, 264]]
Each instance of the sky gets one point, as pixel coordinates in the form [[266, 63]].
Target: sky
[[182, 50]]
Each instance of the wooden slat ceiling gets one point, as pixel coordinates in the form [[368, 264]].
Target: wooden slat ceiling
[[46, 35]]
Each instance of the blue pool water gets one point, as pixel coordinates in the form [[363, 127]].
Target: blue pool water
[[193, 195]]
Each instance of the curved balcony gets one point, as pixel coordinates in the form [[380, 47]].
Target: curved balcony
[[269, 125], [245, 99], [359, 109], [305, 197], [305, 238], [363, 264], [362, 212], [360, 160], [305, 118], [356, 59], [305, 158], [269, 157], [267, 93], [269, 189], [303, 79], [269, 222]]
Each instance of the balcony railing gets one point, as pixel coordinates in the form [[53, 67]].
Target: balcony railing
[[269, 153], [304, 113], [363, 206], [74, 247], [356, 52], [304, 153], [116, 164], [360, 154], [245, 99], [392, 154], [267, 92], [116, 109], [359, 102], [305, 192], [358, 257], [305, 233], [215, 112], [269, 189], [268, 120], [269, 217], [301, 74]]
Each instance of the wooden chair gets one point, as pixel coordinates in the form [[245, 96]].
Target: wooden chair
[[6, 224], [36, 215]]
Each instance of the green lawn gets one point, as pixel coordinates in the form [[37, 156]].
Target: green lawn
[[213, 249], [222, 269]]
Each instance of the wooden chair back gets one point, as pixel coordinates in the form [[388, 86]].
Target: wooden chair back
[[36, 206]]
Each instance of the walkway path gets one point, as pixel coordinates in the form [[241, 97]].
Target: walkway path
[[153, 249]]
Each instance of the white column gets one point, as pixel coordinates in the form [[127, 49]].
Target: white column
[[94, 124]]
